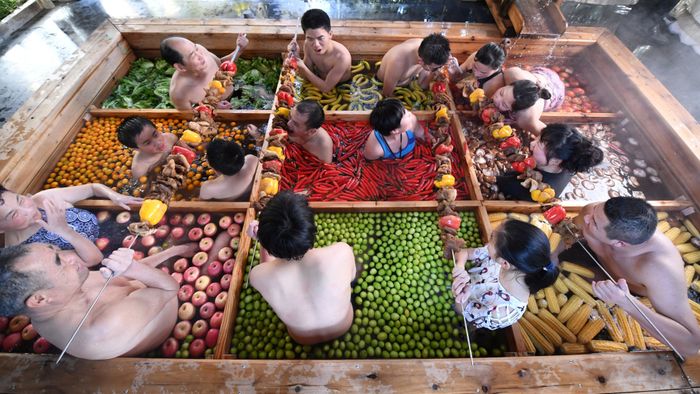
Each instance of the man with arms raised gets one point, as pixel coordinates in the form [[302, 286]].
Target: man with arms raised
[[309, 289]]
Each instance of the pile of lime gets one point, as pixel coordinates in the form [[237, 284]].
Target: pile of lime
[[402, 300]]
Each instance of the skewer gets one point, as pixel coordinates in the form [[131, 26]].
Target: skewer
[[238, 49], [92, 305], [466, 330]]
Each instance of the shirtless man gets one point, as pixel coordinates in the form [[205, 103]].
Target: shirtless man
[[413, 59], [326, 62], [309, 289], [235, 171], [135, 313], [305, 121], [622, 233], [195, 67]]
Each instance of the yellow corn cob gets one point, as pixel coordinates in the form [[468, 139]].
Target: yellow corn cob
[[692, 257], [689, 272], [590, 330], [542, 224], [560, 286], [493, 217], [519, 216], [568, 309], [582, 283], [545, 346], [613, 328], [623, 321], [637, 334], [697, 267], [673, 233], [529, 346], [554, 241], [540, 294], [691, 227], [663, 226], [682, 238], [654, 343], [694, 306], [577, 269], [695, 285], [543, 328], [573, 348], [532, 304], [576, 289], [542, 303], [600, 346], [551, 297], [579, 318], [556, 325], [561, 299], [686, 248], [661, 216], [496, 224]]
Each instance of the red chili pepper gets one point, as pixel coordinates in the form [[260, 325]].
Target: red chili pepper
[[443, 149], [438, 87], [285, 97], [188, 154], [510, 142], [555, 214]]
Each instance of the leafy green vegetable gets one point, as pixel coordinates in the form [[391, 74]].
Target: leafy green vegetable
[[147, 85], [255, 83]]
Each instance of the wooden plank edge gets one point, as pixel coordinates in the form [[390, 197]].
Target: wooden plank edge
[[224, 115], [173, 206]]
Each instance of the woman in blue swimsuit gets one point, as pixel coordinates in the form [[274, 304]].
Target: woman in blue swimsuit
[[395, 131]]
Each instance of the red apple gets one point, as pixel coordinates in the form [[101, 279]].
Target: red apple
[[41, 345], [154, 250], [181, 264], [195, 234], [177, 232], [205, 244], [199, 328], [102, 243], [228, 266], [200, 258], [225, 253], [203, 219], [182, 329], [29, 333], [186, 311], [103, 216], [197, 348], [3, 323], [185, 293], [128, 241], [165, 269], [210, 229], [18, 323], [138, 255], [162, 231], [234, 229], [123, 217], [11, 342], [188, 220], [211, 337], [191, 274], [175, 219], [225, 221], [199, 298], [225, 281], [207, 310], [202, 282], [214, 269], [239, 217], [220, 301], [233, 243], [177, 276], [213, 289], [169, 347], [216, 318]]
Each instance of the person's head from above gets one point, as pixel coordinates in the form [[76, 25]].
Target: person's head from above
[[390, 117], [17, 212], [286, 226], [184, 54], [620, 222], [563, 146], [433, 52], [305, 117], [38, 276], [225, 157], [488, 59], [524, 247], [140, 133], [316, 25], [519, 95]]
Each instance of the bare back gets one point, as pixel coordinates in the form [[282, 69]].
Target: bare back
[[231, 187], [399, 65], [186, 90]]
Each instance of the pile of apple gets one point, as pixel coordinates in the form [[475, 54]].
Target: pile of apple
[[577, 99], [18, 334]]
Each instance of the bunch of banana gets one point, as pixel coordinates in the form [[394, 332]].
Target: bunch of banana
[[310, 92], [414, 97], [360, 67]]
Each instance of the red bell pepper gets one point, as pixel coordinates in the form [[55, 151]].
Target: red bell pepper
[[438, 87], [293, 63], [276, 131], [228, 66], [510, 142], [487, 114], [555, 214], [189, 155], [204, 108], [285, 97], [530, 162], [273, 165], [443, 149], [450, 221], [518, 166]]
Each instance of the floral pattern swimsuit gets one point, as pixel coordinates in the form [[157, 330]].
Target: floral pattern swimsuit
[[489, 304], [82, 221]]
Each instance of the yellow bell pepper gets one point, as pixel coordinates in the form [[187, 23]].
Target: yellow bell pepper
[[191, 137], [269, 186], [504, 132], [152, 211], [218, 86], [284, 112], [277, 150], [476, 96], [542, 196], [441, 113], [446, 180]]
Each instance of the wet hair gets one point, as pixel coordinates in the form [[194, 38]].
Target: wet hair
[[434, 49], [226, 157], [314, 112], [168, 53], [315, 19], [286, 226], [632, 220], [2, 200], [526, 93], [16, 286], [130, 128], [526, 248], [576, 152], [491, 55], [386, 116]]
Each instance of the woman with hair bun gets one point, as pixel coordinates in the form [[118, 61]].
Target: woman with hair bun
[[486, 64]]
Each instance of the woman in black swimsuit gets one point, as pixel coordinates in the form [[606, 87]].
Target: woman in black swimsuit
[[486, 64]]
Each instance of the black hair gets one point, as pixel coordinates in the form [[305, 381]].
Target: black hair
[[16, 286], [224, 156], [434, 49], [3, 189], [169, 53], [286, 226], [526, 248], [526, 93], [491, 55], [313, 110], [315, 19], [386, 116], [632, 220], [576, 152], [130, 128]]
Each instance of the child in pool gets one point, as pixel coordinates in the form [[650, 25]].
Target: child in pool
[[49, 217], [516, 263]]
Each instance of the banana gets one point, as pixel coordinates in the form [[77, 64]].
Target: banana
[[343, 107], [347, 97], [359, 67], [355, 106], [359, 79], [335, 107], [366, 65], [377, 64], [327, 100], [312, 97], [414, 85], [376, 82], [419, 95]]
